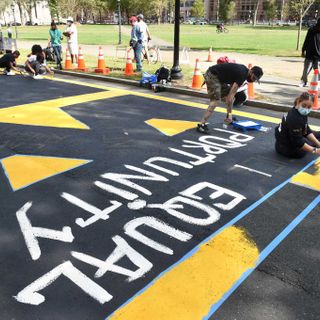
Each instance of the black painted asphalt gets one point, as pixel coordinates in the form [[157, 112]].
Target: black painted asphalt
[[284, 286]]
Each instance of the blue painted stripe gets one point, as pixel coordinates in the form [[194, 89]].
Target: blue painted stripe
[[266, 252], [231, 222]]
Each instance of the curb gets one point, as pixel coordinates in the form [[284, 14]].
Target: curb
[[189, 92]]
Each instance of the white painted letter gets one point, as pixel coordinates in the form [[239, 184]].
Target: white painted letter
[[226, 143], [239, 137], [120, 192], [131, 230], [123, 249], [30, 293], [200, 161], [31, 233], [150, 163], [212, 214], [97, 213], [206, 148], [125, 178], [219, 191]]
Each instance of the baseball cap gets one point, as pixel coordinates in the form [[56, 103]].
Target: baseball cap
[[258, 73], [70, 19], [133, 19], [140, 16]]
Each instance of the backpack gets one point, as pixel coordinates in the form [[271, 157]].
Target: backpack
[[163, 73], [225, 60], [49, 54]]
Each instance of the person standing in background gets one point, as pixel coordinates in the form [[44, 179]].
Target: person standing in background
[[311, 52], [136, 42], [55, 42], [72, 34], [146, 32]]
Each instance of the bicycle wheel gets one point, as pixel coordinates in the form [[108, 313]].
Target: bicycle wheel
[[153, 55], [226, 30]]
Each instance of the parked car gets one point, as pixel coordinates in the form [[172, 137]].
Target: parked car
[[15, 23], [32, 23]]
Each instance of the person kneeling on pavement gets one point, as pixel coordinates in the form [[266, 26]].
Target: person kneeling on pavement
[[35, 63], [8, 61], [294, 138], [223, 82]]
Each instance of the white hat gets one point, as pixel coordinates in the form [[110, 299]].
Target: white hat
[[70, 19]]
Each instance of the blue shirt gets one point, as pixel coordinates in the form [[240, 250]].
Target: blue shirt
[[137, 33]]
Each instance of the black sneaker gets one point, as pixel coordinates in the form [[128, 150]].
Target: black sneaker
[[202, 128]]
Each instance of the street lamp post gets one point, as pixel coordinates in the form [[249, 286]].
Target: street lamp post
[[14, 19], [176, 70], [119, 21]]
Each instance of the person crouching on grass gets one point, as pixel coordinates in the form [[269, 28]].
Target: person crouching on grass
[[223, 81], [294, 138]]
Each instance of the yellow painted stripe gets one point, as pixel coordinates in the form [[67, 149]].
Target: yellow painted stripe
[[26, 170], [311, 181], [189, 290], [248, 115], [49, 114]]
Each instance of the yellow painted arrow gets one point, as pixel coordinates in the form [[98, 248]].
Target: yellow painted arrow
[[171, 127], [24, 170], [48, 113]]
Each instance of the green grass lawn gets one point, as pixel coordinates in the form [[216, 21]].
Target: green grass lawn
[[274, 41]]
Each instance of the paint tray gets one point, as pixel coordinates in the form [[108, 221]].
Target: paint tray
[[245, 125]]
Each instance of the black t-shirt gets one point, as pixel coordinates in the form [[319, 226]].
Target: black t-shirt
[[230, 73], [293, 129], [8, 57]]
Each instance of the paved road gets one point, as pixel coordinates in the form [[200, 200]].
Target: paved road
[[114, 207]]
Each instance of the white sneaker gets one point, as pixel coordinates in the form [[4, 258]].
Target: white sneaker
[[303, 84], [37, 77], [10, 73]]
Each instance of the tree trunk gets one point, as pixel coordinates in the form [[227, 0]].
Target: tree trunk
[[254, 22], [282, 9], [35, 9], [21, 12], [299, 30], [218, 9]]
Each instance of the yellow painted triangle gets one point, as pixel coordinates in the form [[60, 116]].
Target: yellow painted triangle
[[48, 113], [23, 170], [311, 181], [171, 127]]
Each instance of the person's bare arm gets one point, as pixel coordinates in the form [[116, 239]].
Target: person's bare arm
[[311, 137], [232, 93], [30, 67]]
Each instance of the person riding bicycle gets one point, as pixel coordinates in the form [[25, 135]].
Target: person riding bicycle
[[220, 27]]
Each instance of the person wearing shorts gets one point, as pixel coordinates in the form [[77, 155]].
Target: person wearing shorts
[[72, 35], [223, 82]]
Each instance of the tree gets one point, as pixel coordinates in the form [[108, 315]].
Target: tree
[[197, 9], [300, 7], [270, 8], [227, 9]]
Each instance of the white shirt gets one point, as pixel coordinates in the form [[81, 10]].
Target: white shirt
[[73, 34], [144, 29]]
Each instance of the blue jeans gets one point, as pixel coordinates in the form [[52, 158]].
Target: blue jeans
[[137, 55], [57, 51]]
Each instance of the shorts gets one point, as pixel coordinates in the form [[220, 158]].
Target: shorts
[[73, 48], [216, 89]]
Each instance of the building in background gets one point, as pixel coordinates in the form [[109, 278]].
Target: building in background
[[40, 14]]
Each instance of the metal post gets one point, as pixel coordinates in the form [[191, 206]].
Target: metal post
[[14, 19], [176, 70], [119, 21]]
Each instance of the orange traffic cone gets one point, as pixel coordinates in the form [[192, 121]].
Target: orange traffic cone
[[210, 55], [68, 63], [129, 67], [314, 89], [197, 79], [81, 62], [101, 64], [250, 86]]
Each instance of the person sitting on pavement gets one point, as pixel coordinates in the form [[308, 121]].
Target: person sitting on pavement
[[294, 138], [136, 42], [223, 81], [35, 64], [8, 61]]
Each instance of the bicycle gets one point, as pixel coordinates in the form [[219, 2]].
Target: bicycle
[[222, 30], [152, 55]]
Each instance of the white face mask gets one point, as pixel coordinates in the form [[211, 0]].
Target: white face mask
[[304, 111]]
